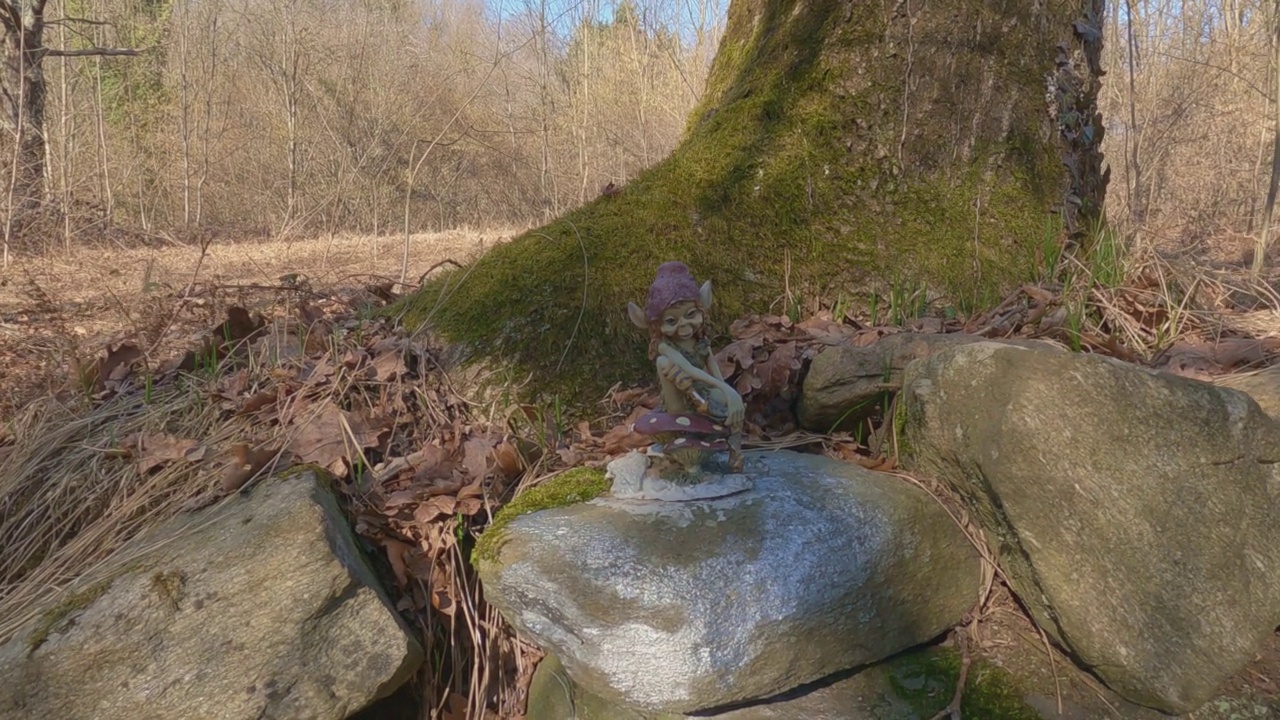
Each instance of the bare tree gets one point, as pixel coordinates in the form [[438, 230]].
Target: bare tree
[[23, 91], [1268, 211]]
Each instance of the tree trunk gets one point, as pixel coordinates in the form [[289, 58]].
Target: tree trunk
[[23, 113], [843, 147]]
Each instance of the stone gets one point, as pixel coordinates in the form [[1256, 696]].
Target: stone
[[865, 695], [845, 383], [915, 685], [1135, 511], [261, 607], [681, 606], [1263, 386], [632, 478]]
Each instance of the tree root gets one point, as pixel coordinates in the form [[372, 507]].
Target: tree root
[[952, 710]]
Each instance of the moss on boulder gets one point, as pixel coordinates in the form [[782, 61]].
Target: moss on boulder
[[574, 486], [837, 144], [926, 680]]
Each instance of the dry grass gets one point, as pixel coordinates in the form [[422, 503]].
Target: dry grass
[[99, 286], [69, 500], [57, 312]]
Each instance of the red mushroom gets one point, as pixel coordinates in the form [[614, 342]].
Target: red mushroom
[[687, 437], [657, 422]]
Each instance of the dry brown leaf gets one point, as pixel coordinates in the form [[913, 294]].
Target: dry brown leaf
[[747, 383], [880, 463], [398, 498], [738, 354], [442, 601], [388, 366], [419, 564], [315, 338], [435, 507], [239, 325], [114, 367], [508, 458], [323, 439], [245, 463], [308, 314], [396, 552], [455, 708], [156, 450], [321, 371], [353, 359], [623, 437], [775, 371], [236, 383], [257, 401], [477, 456], [826, 329], [471, 490]]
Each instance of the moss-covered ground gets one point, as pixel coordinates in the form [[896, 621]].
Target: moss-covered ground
[[807, 173], [926, 679], [574, 486]]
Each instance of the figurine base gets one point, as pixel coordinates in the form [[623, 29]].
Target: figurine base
[[639, 476]]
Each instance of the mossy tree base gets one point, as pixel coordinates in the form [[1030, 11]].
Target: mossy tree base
[[840, 143]]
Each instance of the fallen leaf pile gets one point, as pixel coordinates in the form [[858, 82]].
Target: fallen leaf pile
[[1203, 335], [359, 397]]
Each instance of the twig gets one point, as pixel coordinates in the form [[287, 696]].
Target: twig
[[195, 275], [447, 261], [582, 309], [1053, 666]]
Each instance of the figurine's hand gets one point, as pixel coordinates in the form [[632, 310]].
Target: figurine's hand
[[737, 412]]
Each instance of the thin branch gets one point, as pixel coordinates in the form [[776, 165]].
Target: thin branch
[[1212, 66], [10, 16], [72, 18], [93, 52]]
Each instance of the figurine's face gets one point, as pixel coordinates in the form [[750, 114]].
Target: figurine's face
[[681, 321]]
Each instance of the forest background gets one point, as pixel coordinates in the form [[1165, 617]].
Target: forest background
[[255, 118]]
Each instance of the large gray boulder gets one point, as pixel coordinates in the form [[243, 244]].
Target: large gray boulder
[[1136, 511], [681, 606], [845, 383], [868, 694], [259, 608]]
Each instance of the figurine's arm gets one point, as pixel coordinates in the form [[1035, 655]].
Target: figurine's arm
[[713, 367], [680, 372]]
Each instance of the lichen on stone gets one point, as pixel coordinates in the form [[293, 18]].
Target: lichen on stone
[[170, 587], [54, 619]]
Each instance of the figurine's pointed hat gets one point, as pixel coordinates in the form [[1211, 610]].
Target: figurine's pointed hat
[[673, 284]]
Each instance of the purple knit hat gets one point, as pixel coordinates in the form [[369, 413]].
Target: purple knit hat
[[672, 285]]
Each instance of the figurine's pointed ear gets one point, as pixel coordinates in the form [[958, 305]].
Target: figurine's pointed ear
[[705, 295], [637, 316]]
